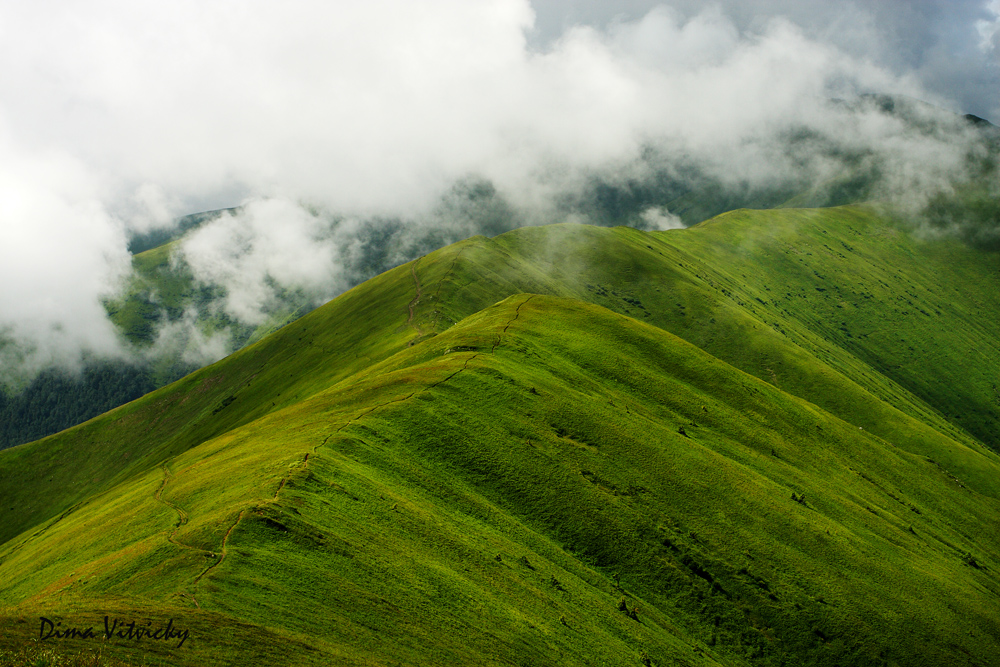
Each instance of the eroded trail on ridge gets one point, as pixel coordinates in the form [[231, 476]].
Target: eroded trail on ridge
[[517, 313], [464, 366], [182, 517], [223, 551], [412, 306]]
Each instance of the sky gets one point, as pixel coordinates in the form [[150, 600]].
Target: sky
[[116, 117], [951, 46]]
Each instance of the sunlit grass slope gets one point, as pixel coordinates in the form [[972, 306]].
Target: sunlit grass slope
[[923, 313], [497, 490], [474, 458], [364, 325]]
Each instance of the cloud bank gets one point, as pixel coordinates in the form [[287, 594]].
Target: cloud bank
[[949, 45], [352, 130]]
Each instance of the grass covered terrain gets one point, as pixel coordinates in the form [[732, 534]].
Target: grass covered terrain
[[174, 323], [768, 439]]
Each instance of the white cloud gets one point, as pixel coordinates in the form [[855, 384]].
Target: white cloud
[[59, 252], [988, 29], [264, 246], [660, 219], [127, 113], [188, 340]]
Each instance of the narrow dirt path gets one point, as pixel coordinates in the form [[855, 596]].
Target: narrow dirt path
[[440, 285], [412, 306], [363, 414], [285, 478], [222, 551], [182, 516], [517, 313]]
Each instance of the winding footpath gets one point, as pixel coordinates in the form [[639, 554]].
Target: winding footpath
[[412, 306], [223, 550]]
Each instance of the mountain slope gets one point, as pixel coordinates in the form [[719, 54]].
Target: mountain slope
[[363, 485], [175, 323]]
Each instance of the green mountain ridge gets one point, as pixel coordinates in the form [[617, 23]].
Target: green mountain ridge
[[164, 316], [767, 439]]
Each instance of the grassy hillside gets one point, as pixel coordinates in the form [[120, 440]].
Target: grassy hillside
[[167, 316], [57, 399], [762, 440]]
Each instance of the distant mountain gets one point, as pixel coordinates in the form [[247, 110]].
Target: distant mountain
[[160, 292], [768, 439], [163, 309]]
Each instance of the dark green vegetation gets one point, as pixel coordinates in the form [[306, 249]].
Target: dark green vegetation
[[56, 400], [768, 439]]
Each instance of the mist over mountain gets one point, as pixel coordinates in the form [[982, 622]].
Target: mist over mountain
[[345, 140], [507, 332]]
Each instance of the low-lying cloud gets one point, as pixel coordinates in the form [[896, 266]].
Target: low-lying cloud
[[357, 135]]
